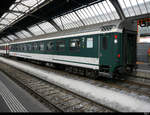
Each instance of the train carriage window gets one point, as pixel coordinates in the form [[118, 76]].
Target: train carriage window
[[29, 47], [22, 47], [50, 45], [75, 44], [17, 48], [60, 45], [41, 46], [35, 46], [25, 47], [105, 44], [89, 43]]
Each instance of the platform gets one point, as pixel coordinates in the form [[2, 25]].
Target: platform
[[15, 99]]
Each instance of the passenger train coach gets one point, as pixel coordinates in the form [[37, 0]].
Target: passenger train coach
[[96, 53], [4, 49]]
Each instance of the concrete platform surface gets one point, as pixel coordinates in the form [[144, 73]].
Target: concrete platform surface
[[15, 99]]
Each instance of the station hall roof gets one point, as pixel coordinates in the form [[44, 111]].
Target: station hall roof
[[27, 18]]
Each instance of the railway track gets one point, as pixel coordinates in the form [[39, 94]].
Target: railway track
[[126, 86], [131, 87], [54, 97], [137, 90]]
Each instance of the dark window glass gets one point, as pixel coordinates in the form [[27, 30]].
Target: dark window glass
[[105, 43], [75, 44], [60, 45], [50, 45]]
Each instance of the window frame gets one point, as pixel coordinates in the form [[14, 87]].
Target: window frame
[[77, 46]]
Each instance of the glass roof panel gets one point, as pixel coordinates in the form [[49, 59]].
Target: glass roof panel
[[135, 7], [59, 22], [68, 21], [1, 41], [29, 3], [5, 22], [47, 27], [6, 39], [100, 12], [23, 6], [27, 34], [1, 26], [20, 35], [11, 16], [36, 30], [12, 37]]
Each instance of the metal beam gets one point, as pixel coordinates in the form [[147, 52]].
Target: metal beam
[[40, 28], [138, 17], [27, 14], [14, 11], [118, 8], [3, 24], [8, 38], [55, 25], [15, 35], [18, 36], [50, 21], [26, 29], [80, 18]]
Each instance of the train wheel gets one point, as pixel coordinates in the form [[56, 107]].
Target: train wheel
[[94, 74], [75, 70], [91, 74], [70, 69], [81, 71]]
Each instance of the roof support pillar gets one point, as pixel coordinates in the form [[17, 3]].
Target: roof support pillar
[[118, 9]]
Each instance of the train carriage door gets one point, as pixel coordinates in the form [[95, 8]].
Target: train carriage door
[[106, 50]]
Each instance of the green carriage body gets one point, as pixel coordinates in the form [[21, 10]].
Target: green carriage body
[[112, 50]]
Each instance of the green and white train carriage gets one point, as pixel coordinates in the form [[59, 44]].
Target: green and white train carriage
[[4, 49], [107, 51]]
